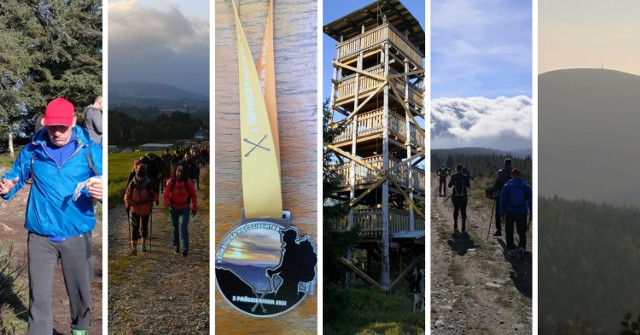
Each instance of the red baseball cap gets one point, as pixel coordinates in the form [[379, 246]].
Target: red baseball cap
[[59, 112], [516, 172]]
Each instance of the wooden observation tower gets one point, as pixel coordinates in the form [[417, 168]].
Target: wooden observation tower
[[378, 96]]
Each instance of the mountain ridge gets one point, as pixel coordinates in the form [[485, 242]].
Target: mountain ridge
[[588, 133]]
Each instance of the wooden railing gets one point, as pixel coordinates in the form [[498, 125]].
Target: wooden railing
[[370, 222], [374, 37], [346, 89], [372, 123], [365, 175]]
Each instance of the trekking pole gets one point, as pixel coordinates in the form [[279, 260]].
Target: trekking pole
[[493, 209], [150, 225], [129, 225], [447, 198]]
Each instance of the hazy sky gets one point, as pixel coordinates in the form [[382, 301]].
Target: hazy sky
[[589, 34], [259, 246], [164, 41]]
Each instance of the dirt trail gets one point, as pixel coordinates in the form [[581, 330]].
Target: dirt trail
[[13, 234], [475, 288], [159, 291]]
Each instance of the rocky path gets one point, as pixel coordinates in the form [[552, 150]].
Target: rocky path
[[159, 291], [475, 288]]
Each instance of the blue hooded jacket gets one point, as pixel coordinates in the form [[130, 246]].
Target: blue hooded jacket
[[50, 209], [508, 205]]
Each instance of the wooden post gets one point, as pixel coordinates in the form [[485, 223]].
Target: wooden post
[[412, 222], [385, 185]]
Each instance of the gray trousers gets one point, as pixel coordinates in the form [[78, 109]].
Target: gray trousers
[[77, 269]]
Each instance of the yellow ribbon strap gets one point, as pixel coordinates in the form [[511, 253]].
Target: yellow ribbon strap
[[262, 193], [266, 70]]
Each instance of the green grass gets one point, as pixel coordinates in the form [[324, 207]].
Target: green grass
[[120, 165], [13, 301], [365, 310], [6, 161]]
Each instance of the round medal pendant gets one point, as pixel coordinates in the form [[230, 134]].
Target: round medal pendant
[[264, 269]]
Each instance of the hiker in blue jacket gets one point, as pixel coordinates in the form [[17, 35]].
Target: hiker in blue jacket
[[515, 202], [59, 222]]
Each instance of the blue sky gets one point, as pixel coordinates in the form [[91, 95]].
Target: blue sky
[[335, 9], [481, 74], [481, 48]]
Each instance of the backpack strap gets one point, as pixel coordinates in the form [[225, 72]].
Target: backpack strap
[[90, 161]]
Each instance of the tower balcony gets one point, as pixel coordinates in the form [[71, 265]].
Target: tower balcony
[[346, 88], [374, 39], [365, 176], [370, 124], [370, 222]]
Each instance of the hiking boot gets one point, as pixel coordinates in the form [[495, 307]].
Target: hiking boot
[[464, 227], [185, 252], [143, 248], [497, 233], [134, 251], [177, 248], [521, 253], [78, 332], [511, 253]]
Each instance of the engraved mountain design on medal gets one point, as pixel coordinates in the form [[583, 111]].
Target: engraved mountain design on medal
[[265, 270]]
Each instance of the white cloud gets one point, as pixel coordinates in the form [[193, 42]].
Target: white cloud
[[472, 41], [161, 45], [136, 25], [502, 123]]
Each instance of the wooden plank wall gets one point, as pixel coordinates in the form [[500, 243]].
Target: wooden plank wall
[[295, 47]]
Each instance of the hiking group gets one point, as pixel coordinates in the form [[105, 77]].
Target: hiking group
[[176, 177], [512, 202], [64, 165]]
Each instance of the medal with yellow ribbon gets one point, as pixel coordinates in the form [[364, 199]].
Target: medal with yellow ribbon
[[263, 266]]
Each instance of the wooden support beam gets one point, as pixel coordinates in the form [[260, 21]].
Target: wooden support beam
[[415, 208], [406, 161], [381, 86], [361, 274], [362, 72], [354, 158], [420, 130], [400, 75], [404, 273], [371, 188]]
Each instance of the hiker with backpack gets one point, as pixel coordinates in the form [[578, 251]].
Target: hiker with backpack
[[502, 177], [65, 166], [515, 202], [155, 166], [460, 184], [138, 201], [443, 172], [179, 196], [93, 120], [166, 168]]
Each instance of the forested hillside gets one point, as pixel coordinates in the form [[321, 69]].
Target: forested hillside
[[588, 266], [481, 162]]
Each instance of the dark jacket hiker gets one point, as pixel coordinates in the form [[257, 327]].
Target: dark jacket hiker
[[460, 184]]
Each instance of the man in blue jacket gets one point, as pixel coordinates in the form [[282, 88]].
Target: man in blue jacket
[[515, 202], [60, 157]]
